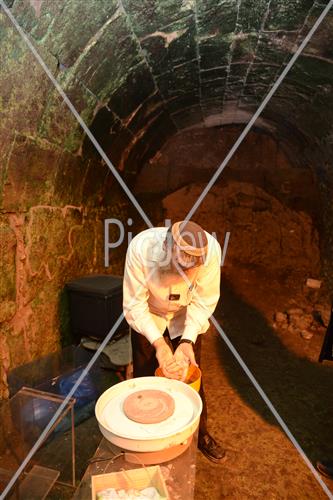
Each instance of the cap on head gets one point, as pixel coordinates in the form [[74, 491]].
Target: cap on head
[[190, 238]]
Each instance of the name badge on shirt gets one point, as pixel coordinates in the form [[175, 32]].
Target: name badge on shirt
[[174, 296]]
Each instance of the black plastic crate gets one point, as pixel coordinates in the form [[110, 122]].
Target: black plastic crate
[[95, 304]]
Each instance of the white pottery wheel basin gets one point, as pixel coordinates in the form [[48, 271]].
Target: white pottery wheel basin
[[130, 435]]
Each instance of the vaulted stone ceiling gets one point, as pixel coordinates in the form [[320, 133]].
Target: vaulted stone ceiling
[[139, 71]]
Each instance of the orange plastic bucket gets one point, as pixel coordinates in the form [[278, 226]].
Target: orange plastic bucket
[[193, 377]]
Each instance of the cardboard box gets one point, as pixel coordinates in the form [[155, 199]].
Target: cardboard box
[[129, 479]]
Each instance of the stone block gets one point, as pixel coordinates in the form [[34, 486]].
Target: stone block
[[138, 86], [4, 361], [7, 310], [68, 184], [211, 106], [119, 141], [69, 37], [160, 131], [311, 72], [210, 89], [251, 15], [156, 134], [254, 90], [48, 238], [104, 121], [274, 48], [84, 102], [216, 17], [24, 87], [175, 83], [287, 15], [214, 52], [83, 243], [111, 135], [8, 268], [321, 43], [171, 48], [117, 53], [178, 103], [30, 174], [213, 74], [92, 187], [187, 117], [261, 74], [133, 158], [58, 125], [147, 112], [232, 92], [244, 47], [148, 16], [36, 19]]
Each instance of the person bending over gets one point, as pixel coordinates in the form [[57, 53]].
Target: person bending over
[[171, 288]]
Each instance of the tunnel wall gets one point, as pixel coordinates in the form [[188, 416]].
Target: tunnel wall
[[53, 202], [52, 230]]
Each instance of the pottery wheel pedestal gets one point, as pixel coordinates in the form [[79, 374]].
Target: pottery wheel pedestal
[[178, 473]]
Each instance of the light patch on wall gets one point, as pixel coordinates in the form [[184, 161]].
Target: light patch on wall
[[36, 5], [232, 115], [188, 5], [167, 37]]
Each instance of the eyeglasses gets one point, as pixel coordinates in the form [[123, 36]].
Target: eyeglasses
[[185, 260]]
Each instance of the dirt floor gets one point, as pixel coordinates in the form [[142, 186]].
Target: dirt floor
[[261, 462]]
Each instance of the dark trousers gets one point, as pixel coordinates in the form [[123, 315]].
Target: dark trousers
[[145, 364]]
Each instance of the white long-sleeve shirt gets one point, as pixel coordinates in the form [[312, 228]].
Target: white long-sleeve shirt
[[146, 296]]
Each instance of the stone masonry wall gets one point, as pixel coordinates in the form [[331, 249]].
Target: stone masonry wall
[[51, 230], [53, 202]]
